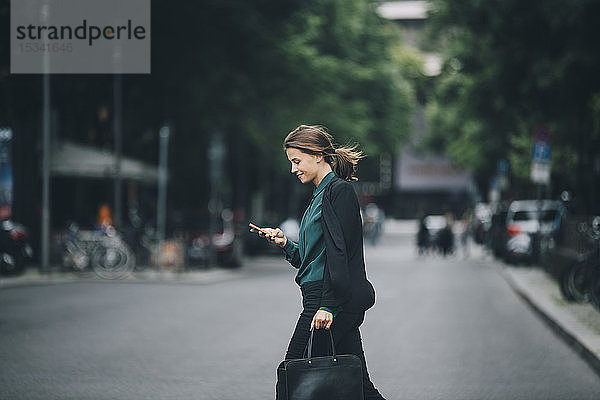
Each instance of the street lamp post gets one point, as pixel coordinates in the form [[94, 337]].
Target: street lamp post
[[216, 155], [45, 256], [117, 88], [161, 210], [118, 131]]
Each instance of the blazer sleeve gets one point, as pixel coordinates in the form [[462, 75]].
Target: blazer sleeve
[[339, 214], [292, 254]]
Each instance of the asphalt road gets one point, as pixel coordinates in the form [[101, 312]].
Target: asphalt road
[[441, 329]]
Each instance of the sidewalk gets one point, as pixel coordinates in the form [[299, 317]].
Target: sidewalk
[[32, 277], [577, 324], [251, 266]]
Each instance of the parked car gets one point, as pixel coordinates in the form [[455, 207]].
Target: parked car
[[226, 241], [227, 246], [15, 250], [526, 222]]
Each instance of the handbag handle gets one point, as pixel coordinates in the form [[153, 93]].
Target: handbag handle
[[310, 342]]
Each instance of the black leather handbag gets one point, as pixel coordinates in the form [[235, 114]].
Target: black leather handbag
[[335, 377]]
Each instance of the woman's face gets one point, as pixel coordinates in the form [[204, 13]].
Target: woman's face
[[305, 166]]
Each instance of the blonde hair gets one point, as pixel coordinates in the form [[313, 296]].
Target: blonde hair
[[314, 139]]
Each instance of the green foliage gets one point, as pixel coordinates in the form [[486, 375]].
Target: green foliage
[[512, 66], [251, 69], [335, 70], [519, 154], [264, 68], [333, 66]]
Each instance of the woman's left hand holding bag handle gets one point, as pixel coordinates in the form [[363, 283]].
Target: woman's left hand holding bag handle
[[322, 319]]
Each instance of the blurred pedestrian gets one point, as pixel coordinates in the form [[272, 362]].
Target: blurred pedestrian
[[422, 237], [446, 236], [373, 223], [291, 228], [329, 253], [104, 216], [465, 233], [105, 221]]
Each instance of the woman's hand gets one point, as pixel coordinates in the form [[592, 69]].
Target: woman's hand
[[322, 319], [273, 235]]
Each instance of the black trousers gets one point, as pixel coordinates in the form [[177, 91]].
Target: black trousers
[[345, 330]]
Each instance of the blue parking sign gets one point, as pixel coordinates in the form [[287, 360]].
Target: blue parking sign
[[541, 151]]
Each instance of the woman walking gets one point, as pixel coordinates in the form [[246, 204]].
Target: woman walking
[[329, 253]]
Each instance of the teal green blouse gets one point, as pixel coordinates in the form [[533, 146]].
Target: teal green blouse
[[311, 245]]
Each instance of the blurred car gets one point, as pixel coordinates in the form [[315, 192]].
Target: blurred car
[[226, 242], [526, 222], [15, 250]]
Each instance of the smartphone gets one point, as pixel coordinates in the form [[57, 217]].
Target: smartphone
[[258, 229]]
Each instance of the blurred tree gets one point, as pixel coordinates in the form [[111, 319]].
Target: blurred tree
[[255, 69], [512, 66], [251, 69]]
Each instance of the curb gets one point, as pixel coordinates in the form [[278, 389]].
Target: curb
[[37, 280], [211, 275], [581, 339]]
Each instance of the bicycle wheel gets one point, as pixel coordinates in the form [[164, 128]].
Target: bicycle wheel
[[578, 280], [112, 261], [563, 282], [594, 287]]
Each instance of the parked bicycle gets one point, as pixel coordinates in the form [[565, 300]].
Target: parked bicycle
[[581, 281], [102, 250]]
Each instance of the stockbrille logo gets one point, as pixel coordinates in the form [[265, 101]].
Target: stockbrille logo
[[60, 36]]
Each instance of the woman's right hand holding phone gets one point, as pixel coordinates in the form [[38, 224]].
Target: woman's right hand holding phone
[[273, 235]]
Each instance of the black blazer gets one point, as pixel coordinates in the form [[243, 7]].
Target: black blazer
[[345, 281]]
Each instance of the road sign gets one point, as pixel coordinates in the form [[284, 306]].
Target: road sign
[[541, 151], [540, 165], [540, 172], [542, 135], [502, 167]]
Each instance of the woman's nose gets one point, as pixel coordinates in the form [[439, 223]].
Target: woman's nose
[[294, 168]]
